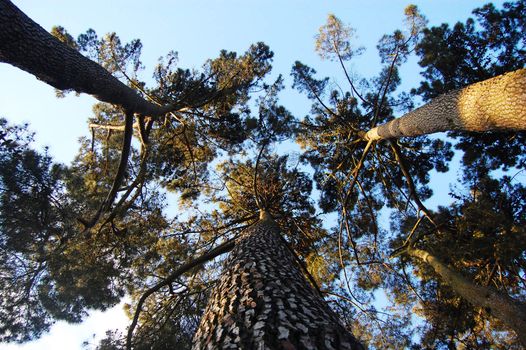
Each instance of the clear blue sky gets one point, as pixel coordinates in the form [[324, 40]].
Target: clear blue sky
[[197, 29]]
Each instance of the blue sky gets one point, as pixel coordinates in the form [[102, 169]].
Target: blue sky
[[198, 29]]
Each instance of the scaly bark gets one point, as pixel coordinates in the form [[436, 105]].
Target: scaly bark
[[509, 311], [498, 103], [263, 301], [26, 45]]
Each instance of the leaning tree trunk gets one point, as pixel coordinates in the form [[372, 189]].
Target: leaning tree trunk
[[507, 310], [498, 103], [263, 301], [26, 45]]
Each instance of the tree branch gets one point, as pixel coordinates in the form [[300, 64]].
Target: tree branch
[[221, 249], [355, 173], [110, 127], [121, 171], [409, 180]]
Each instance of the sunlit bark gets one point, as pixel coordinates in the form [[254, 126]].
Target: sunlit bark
[[498, 103]]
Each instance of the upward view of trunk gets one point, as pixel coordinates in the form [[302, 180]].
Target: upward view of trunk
[[498, 103], [26, 45], [263, 301], [508, 311]]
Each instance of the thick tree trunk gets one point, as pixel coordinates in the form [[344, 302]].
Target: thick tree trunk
[[498, 103], [508, 311], [263, 301], [26, 45]]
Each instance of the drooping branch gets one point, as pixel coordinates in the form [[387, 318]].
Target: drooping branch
[[498, 103], [410, 183], [355, 172], [349, 80], [121, 171], [28, 46], [379, 102], [221, 249], [125, 154], [122, 206], [317, 95]]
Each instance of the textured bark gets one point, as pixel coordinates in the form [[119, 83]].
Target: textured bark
[[26, 45], [498, 103], [263, 301], [509, 311]]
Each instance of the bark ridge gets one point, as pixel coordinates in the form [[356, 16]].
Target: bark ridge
[[28, 46], [263, 301], [498, 103]]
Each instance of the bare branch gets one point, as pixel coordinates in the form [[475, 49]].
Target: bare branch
[[410, 184], [93, 126], [121, 171], [355, 173], [221, 249]]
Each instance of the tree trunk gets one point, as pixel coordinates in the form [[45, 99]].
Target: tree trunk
[[509, 311], [26, 45], [498, 103], [263, 301]]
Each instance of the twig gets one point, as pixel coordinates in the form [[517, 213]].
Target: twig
[[355, 173], [409, 180]]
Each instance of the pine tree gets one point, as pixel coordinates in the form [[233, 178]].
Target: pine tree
[[82, 236], [357, 175], [263, 300]]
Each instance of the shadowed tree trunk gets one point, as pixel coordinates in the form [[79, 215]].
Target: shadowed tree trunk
[[26, 45], [498, 103], [263, 301], [500, 306]]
